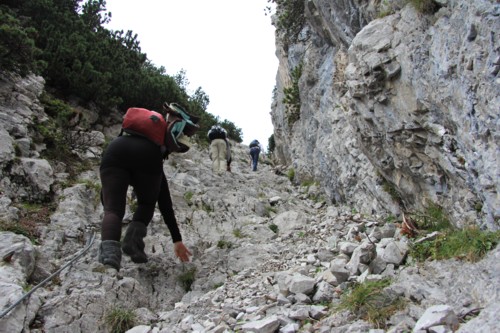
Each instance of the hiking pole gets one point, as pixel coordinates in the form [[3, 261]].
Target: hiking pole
[[90, 242]]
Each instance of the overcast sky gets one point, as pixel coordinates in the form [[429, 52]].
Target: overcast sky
[[226, 47]]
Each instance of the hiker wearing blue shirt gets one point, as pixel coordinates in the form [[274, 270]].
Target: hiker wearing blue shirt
[[255, 148]]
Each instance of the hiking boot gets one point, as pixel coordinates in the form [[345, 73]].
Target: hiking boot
[[133, 244], [110, 254]]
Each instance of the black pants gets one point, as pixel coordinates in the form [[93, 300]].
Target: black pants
[[129, 161]]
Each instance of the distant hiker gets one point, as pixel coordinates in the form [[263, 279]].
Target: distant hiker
[[134, 160], [220, 149], [255, 148]]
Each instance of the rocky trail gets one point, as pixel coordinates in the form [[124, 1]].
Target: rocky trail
[[397, 109], [268, 256]]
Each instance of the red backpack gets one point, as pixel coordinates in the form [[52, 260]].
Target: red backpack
[[146, 123], [166, 133]]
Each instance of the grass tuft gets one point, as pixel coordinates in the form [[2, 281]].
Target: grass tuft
[[470, 244], [120, 320], [369, 301], [224, 244], [274, 228], [187, 278], [238, 233]]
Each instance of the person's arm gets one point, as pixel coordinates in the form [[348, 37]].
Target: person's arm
[[167, 211]]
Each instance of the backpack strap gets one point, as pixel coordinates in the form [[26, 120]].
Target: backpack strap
[[179, 123], [174, 108]]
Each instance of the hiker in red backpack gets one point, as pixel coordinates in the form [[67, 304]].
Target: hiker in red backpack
[[220, 149], [134, 160], [254, 152]]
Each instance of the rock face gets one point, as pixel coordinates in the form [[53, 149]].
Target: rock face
[[23, 174], [268, 256], [396, 112]]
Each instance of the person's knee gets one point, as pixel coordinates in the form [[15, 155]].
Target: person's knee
[[113, 214]]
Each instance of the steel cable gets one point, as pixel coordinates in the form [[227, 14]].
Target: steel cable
[[82, 252]]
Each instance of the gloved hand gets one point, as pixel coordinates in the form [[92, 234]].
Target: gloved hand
[[181, 251]]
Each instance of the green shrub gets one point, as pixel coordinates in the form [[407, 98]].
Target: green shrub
[[57, 109], [390, 218], [53, 138], [17, 149], [292, 96], [274, 228], [27, 287], [290, 19], [187, 278], [269, 210], [188, 196], [370, 302], [18, 52], [433, 219], [308, 183], [206, 207], [93, 185], [224, 244], [238, 233], [271, 145], [469, 244], [291, 175], [59, 137], [391, 190], [60, 132], [424, 6], [120, 320]]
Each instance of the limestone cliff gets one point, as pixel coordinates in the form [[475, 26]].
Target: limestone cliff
[[396, 111]]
